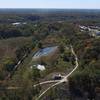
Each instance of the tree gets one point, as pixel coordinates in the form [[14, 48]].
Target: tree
[[8, 64], [40, 45], [35, 73]]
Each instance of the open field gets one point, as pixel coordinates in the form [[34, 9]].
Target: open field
[[9, 46]]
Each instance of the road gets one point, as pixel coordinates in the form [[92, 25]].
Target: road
[[65, 79]]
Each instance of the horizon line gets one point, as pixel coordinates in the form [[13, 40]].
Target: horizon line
[[57, 8]]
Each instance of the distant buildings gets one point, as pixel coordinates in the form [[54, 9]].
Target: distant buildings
[[94, 30], [83, 27], [19, 23]]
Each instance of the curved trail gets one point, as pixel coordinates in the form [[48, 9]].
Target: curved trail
[[57, 82], [65, 78], [46, 82], [42, 83]]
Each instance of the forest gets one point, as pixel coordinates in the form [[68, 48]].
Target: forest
[[19, 42]]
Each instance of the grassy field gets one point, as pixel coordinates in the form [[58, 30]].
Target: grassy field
[[9, 46]]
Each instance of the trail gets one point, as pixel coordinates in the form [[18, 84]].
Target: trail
[[65, 78], [57, 82], [46, 82]]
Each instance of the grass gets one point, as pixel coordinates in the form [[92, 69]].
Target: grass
[[9, 46]]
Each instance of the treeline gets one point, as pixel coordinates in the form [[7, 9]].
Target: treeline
[[9, 18], [8, 31]]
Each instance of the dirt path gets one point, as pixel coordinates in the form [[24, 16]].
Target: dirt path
[[65, 78]]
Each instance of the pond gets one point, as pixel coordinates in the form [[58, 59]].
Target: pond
[[45, 51]]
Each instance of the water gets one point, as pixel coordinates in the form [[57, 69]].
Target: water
[[45, 51]]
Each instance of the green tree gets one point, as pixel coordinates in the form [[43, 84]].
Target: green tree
[[35, 74], [8, 63]]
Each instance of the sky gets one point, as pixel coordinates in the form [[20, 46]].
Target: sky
[[78, 4]]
